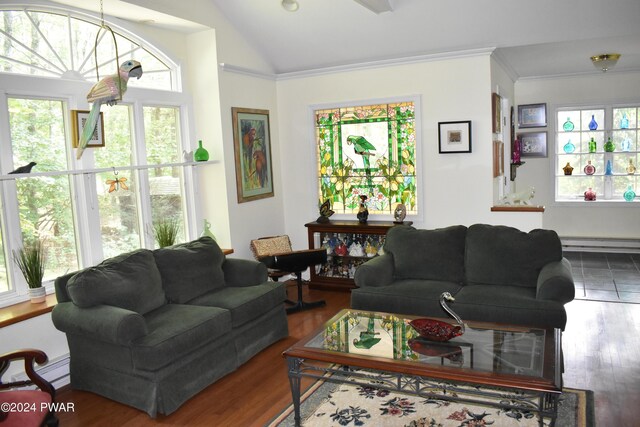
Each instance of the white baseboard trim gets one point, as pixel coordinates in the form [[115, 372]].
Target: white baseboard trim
[[56, 371], [585, 244]]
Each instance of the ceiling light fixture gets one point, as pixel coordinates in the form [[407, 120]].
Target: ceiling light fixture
[[605, 61], [290, 5]]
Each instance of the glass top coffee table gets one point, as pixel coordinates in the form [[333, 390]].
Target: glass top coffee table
[[500, 365]]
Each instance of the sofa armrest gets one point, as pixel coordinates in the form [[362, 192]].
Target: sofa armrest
[[103, 322], [377, 271], [555, 282], [244, 272]]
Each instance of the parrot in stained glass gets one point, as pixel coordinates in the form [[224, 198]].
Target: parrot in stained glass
[[363, 148], [367, 338], [106, 91]]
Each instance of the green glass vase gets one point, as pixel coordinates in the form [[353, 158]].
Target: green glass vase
[[201, 154], [609, 146]]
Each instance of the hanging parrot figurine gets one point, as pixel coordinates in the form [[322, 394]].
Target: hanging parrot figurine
[[106, 91], [363, 148]]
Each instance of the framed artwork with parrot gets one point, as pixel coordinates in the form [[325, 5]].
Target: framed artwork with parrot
[[252, 147]]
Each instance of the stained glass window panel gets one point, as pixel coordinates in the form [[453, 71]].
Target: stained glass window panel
[[367, 150]]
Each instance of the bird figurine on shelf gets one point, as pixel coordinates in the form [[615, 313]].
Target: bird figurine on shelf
[[108, 90], [25, 168], [438, 330]]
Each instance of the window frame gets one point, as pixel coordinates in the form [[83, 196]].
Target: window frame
[[607, 129]]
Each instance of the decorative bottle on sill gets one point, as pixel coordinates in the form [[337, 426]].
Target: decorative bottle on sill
[[625, 145], [624, 122], [608, 169], [609, 146], [631, 169], [590, 195], [569, 147], [568, 169], [592, 145], [629, 195], [589, 169], [568, 125], [201, 154], [593, 125]]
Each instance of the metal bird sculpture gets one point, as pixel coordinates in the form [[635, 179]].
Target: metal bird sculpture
[[107, 91], [438, 330], [363, 148], [25, 168]]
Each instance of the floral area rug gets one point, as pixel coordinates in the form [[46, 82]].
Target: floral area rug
[[330, 404]]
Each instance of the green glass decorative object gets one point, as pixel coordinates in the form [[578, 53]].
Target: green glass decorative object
[[609, 146], [592, 145], [629, 195], [569, 147], [568, 125], [206, 231], [201, 154]]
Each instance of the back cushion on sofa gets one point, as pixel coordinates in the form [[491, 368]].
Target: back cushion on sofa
[[501, 255], [190, 269], [130, 281], [427, 254]]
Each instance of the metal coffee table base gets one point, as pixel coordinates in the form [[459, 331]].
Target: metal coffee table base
[[544, 404]]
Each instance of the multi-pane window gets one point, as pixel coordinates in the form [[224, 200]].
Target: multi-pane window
[[367, 150], [597, 149], [105, 204]]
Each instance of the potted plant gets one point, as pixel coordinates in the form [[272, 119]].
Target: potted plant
[[166, 231], [31, 260]]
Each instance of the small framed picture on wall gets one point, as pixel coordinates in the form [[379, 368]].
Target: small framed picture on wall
[[533, 144], [532, 115], [454, 137]]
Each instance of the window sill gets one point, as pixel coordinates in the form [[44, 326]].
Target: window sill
[[517, 208], [26, 310]]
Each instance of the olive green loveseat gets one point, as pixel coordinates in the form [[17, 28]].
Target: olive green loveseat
[[150, 329]]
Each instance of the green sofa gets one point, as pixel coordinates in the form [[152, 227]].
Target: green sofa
[[496, 274], [151, 329]]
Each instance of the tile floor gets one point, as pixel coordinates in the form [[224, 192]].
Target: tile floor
[[611, 277]]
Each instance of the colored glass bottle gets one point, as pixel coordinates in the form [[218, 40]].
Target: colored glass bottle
[[568, 125], [515, 155], [592, 145], [608, 169], [206, 230], [568, 169], [629, 195], [609, 146], [201, 154], [593, 125], [624, 122], [589, 169], [569, 147], [590, 195], [631, 169], [625, 145]]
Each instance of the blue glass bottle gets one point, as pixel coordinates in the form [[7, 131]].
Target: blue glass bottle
[[593, 125], [629, 195], [608, 170], [624, 122], [568, 125], [569, 147], [625, 145]]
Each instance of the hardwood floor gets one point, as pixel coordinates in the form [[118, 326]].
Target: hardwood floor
[[601, 347]]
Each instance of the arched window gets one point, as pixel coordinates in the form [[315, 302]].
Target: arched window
[[46, 62], [41, 43]]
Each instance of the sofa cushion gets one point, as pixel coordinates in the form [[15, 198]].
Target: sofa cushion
[[412, 296], [244, 302], [427, 254], [512, 305], [190, 269], [501, 255], [176, 330], [131, 281]]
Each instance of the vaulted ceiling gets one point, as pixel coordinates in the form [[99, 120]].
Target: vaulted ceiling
[[532, 38]]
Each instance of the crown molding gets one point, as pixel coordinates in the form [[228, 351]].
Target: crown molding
[[247, 71]]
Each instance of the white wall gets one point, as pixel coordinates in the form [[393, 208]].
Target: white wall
[[454, 189], [582, 220]]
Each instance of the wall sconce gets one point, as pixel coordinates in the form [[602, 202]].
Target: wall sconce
[[290, 5], [605, 61]]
